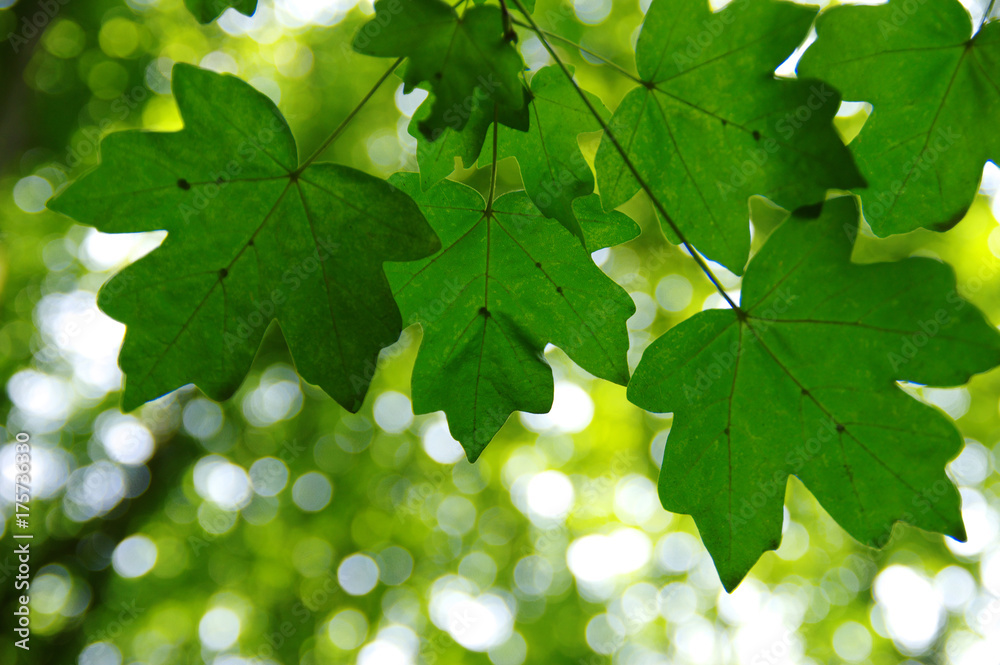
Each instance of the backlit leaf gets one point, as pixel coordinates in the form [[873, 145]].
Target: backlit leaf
[[802, 382], [250, 240]]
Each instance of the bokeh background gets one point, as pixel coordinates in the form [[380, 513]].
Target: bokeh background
[[277, 528]]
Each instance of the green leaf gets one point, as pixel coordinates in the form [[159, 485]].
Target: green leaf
[[250, 240], [436, 158], [436, 155], [528, 4], [803, 384], [602, 229], [552, 166], [508, 281], [466, 60], [713, 126], [207, 11], [936, 106]]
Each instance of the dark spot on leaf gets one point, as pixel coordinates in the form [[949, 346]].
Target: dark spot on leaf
[[219, 180], [724, 121], [437, 76], [840, 428], [756, 135], [250, 244], [726, 431], [558, 289], [805, 392], [223, 273], [809, 211], [537, 264], [485, 312], [949, 223], [184, 184]]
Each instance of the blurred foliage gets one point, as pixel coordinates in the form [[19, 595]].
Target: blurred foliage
[[276, 528]]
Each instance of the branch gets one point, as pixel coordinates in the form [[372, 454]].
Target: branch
[[614, 65], [346, 121], [628, 162]]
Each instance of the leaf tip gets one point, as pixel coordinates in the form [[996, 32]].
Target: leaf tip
[[731, 580], [353, 402], [638, 388], [472, 451], [622, 376], [956, 529], [130, 401]]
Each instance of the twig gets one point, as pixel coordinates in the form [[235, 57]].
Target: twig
[[628, 162]]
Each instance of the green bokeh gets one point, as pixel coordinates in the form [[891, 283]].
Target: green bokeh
[[606, 576]]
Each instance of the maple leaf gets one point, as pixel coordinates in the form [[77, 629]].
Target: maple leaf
[[801, 382], [251, 238], [436, 155], [712, 126], [935, 95], [207, 11], [553, 168], [466, 60], [507, 282]]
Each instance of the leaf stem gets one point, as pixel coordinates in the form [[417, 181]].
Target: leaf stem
[[493, 167], [569, 42], [628, 162], [986, 16], [508, 23], [346, 121]]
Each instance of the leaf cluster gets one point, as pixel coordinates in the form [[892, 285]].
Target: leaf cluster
[[798, 376]]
